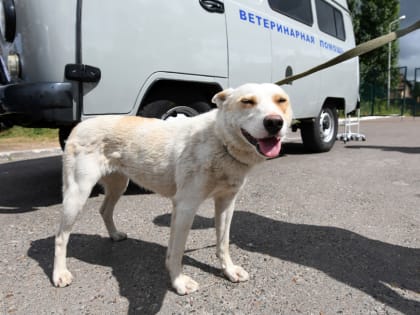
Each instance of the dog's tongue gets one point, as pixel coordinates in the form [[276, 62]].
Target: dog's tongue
[[270, 147]]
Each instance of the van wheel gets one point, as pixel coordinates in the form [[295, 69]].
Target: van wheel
[[165, 109], [319, 134]]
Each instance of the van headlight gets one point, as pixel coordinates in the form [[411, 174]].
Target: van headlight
[[8, 20]]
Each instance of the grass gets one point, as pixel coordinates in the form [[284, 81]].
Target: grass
[[380, 108], [29, 133], [19, 138]]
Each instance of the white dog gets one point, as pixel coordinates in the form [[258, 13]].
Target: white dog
[[187, 160]]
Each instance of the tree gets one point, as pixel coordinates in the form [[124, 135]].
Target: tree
[[371, 19], [416, 92]]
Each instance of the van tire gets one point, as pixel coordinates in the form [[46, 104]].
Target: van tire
[[319, 134], [201, 106], [164, 109]]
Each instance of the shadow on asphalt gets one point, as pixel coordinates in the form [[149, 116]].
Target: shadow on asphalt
[[293, 148], [368, 265], [138, 266], [27, 185], [409, 150]]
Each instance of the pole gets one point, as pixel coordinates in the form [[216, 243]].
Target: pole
[[402, 17]]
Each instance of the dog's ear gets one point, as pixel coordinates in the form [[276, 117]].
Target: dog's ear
[[221, 97]]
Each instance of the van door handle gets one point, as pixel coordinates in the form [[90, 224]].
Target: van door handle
[[213, 6]]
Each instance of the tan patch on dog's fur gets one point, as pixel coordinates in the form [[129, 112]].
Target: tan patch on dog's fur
[[128, 122], [280, 99], [248, 101], [283, 103]]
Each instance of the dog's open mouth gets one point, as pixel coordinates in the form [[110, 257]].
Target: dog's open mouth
[[269, 147]]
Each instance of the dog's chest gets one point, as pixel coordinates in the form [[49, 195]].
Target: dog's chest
[[227, 183], [224, 175]]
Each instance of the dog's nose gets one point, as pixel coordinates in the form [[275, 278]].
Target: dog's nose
[[273, 124]]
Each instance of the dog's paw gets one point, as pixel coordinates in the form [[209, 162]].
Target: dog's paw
[[118, 236], [184, 285], [236, 274], [62, 278]]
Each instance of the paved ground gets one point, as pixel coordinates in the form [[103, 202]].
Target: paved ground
[[334, 233], [13, 149]]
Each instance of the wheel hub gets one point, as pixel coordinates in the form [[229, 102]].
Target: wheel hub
[[326, 126]]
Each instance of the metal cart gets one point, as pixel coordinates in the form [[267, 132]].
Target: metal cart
[[348, 123]]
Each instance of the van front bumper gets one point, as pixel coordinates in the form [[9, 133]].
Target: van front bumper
[[46, 104]]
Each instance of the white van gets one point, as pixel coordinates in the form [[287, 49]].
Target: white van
[[64, 61]]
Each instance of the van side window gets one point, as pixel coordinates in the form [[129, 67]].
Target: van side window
[[297, 9], [330, 20]]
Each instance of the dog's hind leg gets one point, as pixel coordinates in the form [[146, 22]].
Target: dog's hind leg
[[115, 185], [224, 206], [77, 185]]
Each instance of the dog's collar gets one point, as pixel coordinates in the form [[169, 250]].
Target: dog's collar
[[234, 157]]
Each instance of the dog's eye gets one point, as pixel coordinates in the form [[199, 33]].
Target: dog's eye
[[247, 101], [281, 100]]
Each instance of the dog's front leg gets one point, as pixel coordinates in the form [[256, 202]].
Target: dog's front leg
[[181, 220], [224, 206]]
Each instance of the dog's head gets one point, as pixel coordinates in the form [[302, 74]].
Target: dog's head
[[257, 114]]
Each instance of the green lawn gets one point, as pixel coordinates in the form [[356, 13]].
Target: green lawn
[[30, 133]]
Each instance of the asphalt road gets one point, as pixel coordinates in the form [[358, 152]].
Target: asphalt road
[[333, 233]]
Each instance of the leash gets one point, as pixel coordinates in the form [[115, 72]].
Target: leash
[[354, 52]]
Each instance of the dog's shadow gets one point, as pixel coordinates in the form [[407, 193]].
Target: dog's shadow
[[374, 267], [371, 266], [138, 266]]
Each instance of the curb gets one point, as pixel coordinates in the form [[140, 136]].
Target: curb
[[367, 118], [10, 156]]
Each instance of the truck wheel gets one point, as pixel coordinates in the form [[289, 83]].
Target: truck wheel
[[319, 135], [165, 109]]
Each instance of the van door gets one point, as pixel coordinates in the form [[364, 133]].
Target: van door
[[336, 37], [131, 40], [249, 42], [295, 48]]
